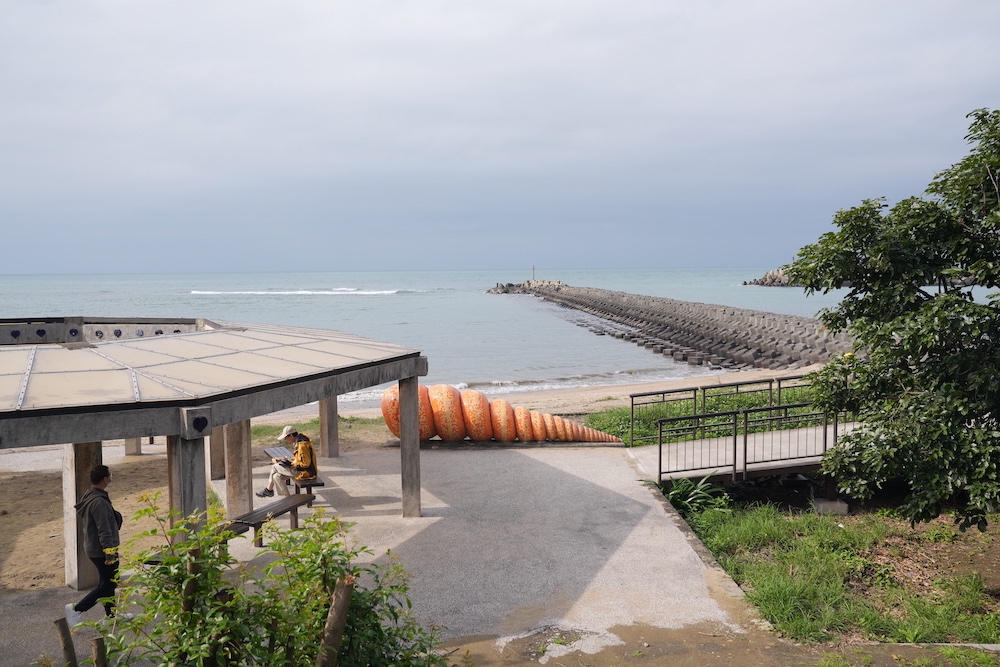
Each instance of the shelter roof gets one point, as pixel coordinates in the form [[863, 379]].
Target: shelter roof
[[79, 365]]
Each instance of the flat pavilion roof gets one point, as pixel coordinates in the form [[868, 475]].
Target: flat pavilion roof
[[88, 379]]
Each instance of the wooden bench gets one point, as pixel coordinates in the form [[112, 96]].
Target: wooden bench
[[256, 519], [283, 453], [287, 505]]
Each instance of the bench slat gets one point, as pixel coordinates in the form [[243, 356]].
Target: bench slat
[[277, 508], [288, 504]]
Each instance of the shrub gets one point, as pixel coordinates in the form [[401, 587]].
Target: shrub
[[195, 605], [689, 497]]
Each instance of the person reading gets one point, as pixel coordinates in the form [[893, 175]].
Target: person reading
[[301, 467]]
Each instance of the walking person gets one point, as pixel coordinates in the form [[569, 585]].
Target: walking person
[[301, 467], [100, 542]]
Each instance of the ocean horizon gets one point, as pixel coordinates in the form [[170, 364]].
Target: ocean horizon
[[500, 344]]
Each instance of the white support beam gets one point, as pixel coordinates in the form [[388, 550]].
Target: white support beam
[[133, 446], [78, 459], [409, 445], [217, 453], [239, 469], [186, 475], [329, 428]]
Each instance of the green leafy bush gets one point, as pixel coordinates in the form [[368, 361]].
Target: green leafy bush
[[193, 604], [689, 497]]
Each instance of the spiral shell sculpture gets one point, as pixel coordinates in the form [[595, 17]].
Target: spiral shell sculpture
[[455, 415]]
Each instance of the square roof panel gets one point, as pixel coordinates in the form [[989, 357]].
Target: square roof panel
[[151, 390], [211, 375], [134, 357], [10, 390], [182, 347], [14, 360], [57, 389], [237, 341], [352, 351], [309, 356], [272, 366], [278, 338], [56, 359]]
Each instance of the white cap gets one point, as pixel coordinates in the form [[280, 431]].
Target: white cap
[[287, 431]]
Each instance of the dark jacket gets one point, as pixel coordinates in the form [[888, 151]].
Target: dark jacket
[[100, 522]]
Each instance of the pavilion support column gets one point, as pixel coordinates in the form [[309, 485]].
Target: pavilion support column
[[409, 445], [239, 472], [329, 428], [133, 446], [217, 454], [78, 459], [186, 475]]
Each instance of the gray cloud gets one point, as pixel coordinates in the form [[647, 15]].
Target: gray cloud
[[459, 135]]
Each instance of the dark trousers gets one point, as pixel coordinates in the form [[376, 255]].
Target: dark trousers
[[105, 587]]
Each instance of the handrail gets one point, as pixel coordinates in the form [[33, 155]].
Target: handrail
[[773, 387], [719, 386], [793, 419]]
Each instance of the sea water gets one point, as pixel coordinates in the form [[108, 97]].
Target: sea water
[[502, 344]]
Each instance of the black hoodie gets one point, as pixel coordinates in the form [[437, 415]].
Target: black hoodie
[[100, 522]]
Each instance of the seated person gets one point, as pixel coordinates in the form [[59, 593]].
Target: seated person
[[302, 467]]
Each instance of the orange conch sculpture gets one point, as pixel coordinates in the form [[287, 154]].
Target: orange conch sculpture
[[454, 415], [390, 410]]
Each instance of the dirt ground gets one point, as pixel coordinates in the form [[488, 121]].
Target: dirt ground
[[31, 557], [31, 516]]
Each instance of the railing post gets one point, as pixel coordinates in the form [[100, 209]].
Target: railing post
[[826, 419], [836, 416], [746, 435], [735, 445], [631, 421], [659, 464]]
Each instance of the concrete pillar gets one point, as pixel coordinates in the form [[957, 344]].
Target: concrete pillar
[[133, 446], [78, 459], [329, 428], [217, 454], [409, 445], [186, 475], [239, 473]]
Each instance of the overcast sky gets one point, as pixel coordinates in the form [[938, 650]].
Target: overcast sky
[[154, 135]]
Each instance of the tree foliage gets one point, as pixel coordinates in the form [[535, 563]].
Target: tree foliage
[[925, 375]]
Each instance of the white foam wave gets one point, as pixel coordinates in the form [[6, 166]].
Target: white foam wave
[[341, 291]]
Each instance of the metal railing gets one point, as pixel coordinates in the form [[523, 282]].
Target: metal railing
[[740, 440], [694, 400]]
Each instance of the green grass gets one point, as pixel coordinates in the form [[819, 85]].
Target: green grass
[[266, 435], [804, 571], [617, 421], [968, 657], [945, 656]]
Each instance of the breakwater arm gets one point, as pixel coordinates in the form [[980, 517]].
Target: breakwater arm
[[698, 333]]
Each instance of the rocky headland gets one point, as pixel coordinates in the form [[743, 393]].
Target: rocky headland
[[775, 278]]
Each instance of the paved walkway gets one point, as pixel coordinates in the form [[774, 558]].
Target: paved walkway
[[511, 541]]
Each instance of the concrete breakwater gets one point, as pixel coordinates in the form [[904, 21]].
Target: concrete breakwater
[[697, 333]]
